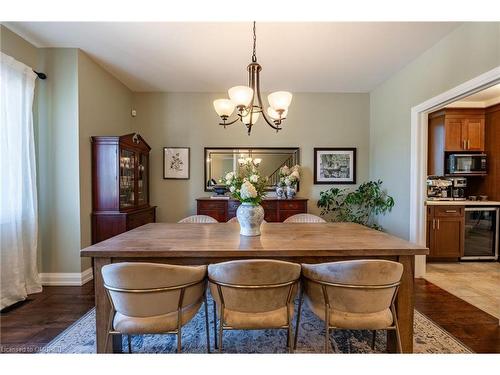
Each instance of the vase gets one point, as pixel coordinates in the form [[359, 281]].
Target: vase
[[290, 192], [280, 192], [250, 217]]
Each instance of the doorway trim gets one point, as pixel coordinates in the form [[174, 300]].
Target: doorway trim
[[418, 152]]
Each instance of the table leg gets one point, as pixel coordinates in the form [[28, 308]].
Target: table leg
[[405, 305], [103, 308]]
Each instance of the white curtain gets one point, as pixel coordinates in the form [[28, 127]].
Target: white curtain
[[18, 199]]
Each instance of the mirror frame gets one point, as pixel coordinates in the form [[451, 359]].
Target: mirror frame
[[205, 157]]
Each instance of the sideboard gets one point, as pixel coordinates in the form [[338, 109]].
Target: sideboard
[[276, 210]]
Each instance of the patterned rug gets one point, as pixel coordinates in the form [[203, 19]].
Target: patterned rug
[[428, 338]]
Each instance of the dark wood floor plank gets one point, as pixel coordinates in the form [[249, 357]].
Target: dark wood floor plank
[[472, 326]]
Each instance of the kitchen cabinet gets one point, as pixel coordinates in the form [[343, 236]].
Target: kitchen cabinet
[[454, 130], [445, 232]]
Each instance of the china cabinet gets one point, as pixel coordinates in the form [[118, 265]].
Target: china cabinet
[[120, 185]]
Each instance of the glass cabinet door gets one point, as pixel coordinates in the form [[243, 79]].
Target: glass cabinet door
[[127, 178], [142, 180]]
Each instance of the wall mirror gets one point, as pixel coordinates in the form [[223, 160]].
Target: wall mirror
[[220, 160]]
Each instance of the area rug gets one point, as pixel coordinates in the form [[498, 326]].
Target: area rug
[[428, 338]]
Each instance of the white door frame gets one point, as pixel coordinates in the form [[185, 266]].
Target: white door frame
[[418, 150]]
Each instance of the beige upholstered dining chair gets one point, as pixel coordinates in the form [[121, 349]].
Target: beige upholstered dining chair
[[194, 219], [253, 294], [150, 298], [354, 295], [235, 220], [304, 218]]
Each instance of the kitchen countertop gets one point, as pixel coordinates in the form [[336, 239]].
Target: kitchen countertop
[[462, 203]]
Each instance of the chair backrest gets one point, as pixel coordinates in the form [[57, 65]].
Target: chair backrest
[[149, 289], [304, 218], [255, 285], [235, 220], [359, 286], [198, 219]]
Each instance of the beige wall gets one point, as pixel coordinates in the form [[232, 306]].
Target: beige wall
[[188, 119], [467, 52], [58, 176], [104, 105]]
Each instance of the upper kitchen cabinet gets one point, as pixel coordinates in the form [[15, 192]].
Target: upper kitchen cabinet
[[463, 129], [454, 130]]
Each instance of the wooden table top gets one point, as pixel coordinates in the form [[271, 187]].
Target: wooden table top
[[277, 240]]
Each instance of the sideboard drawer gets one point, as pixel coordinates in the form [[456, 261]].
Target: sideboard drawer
[[212, 205], [219, 215], [448, 211], [275, 210], [269, 205], [292, 205]]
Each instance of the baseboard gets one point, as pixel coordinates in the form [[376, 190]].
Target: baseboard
[[66, 279]]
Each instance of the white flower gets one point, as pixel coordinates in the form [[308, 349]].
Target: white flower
[[248, 160], [229, 176], [296, 167], [296, 175], [288, 182], [285, 170], [248, 191], [254, 178], [232, 189]]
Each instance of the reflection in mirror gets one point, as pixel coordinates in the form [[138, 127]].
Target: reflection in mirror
[[219, 161]]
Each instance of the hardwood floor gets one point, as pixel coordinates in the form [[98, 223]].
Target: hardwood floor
[[30, 325], [475, 328]]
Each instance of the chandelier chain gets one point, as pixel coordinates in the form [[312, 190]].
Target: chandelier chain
[[254, 55]]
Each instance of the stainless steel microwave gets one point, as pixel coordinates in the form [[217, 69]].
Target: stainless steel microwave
[[467, 164]]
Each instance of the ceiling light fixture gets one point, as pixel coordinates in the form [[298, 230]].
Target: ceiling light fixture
[[248, 102]]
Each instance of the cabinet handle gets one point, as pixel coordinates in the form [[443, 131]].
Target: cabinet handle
[[438, 224], [450, 211], [464, 145], [433, 224], [468, 144]]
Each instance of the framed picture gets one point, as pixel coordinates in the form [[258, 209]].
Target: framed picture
[[176, 163], [335, 165]]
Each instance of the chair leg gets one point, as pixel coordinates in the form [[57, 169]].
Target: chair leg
[[289, 339], [398, 339], [221, 323], [179, 340], [374, 338], [298, 321], [327, 331], [129, 341], [215, 326], [207, 325]]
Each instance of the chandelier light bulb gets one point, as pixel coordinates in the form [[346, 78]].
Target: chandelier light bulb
[[275, 115], [224, 107], [280, 100], [241, 96], [246, 119]]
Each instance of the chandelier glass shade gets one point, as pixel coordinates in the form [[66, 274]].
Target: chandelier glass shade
[[248, 103]]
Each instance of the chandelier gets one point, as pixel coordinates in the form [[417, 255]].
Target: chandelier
[[248, 102]]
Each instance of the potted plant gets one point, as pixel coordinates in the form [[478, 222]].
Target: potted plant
[[249, 187], [359, 206]]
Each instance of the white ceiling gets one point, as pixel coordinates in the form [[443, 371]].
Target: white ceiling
[[481, 99], [211, 57]]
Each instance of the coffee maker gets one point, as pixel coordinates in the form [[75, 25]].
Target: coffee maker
[[458, 188], [439, 189]]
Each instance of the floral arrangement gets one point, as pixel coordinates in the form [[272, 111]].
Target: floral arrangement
[[246, 184], [289, 176]]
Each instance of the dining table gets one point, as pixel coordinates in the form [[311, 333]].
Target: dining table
[[203, 244]]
